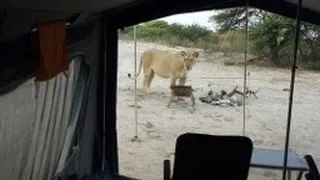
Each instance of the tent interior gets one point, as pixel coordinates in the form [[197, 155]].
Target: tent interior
[[66, 124]]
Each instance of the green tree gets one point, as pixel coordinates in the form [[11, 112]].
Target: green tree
[[235, 18], [272, 35], [153, 30], [309, 46]]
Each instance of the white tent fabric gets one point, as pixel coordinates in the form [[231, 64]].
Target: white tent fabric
[[36, 133]]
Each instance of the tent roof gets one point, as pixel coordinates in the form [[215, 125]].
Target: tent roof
[[58, 5], [26, 13]]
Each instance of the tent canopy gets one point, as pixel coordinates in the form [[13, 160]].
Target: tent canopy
[[26, 14]]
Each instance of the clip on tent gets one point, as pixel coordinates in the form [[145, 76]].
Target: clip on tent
[[93, 34]]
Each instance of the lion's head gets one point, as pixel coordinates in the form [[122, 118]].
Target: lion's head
[[189, 59]]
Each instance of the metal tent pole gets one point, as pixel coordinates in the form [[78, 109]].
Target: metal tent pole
[[245, 72], [135, 84], [293, 72]]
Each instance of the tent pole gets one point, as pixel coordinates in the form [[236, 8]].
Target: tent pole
[[135, 84], [293, 72], [245, 71], [110, 136]]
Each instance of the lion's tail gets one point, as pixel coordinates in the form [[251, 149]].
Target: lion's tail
[[140, 66]]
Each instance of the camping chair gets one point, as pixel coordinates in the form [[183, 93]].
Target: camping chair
[[313, 173], [200, 156]]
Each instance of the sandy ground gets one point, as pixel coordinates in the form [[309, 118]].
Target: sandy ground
[[159, 126]]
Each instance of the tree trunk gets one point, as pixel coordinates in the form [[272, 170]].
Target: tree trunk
[[274, 53]]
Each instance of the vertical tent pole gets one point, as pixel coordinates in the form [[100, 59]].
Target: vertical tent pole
[[135, 83], [109, 74], [293, 72], [103, 67], [245, 72]]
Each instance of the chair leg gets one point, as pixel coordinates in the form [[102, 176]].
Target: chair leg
[[193, 101], [300, 175], [289, 175], [166, 170], [171, 98], [170, 101]]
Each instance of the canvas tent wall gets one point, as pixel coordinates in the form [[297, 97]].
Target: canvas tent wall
[[40, 136], [100, 19]]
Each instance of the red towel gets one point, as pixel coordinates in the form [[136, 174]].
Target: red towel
[[51, 37]]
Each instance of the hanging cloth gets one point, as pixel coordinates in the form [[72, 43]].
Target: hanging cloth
[[51, 40]]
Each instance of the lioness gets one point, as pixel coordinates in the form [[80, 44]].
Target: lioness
[[167, 65]]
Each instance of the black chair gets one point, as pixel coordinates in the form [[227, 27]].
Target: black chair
[[313, 173], [208, 157]]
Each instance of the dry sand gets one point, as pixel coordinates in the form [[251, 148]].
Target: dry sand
[[159, 126]]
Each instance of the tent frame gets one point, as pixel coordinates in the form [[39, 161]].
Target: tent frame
[[292, 82], [110, 73]]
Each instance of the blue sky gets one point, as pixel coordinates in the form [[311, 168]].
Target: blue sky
[[200, 18]]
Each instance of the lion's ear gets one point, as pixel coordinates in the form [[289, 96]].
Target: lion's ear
[[183, 53], [195, 54]]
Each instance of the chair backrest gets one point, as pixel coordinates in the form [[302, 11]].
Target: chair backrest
[[201, 156]]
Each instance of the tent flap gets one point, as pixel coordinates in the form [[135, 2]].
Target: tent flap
[[17, 68], [41, 128], [26, 14]]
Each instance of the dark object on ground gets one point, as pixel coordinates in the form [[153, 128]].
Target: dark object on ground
[[247, 92], [225, 98], [182, 91]]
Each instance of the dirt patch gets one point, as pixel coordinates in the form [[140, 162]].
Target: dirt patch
[[159, 126]]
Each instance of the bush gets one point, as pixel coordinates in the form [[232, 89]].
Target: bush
[[229, 62], [232, 41], [174, 34]]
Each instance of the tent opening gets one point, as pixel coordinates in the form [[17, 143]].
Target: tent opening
[[148, 128]]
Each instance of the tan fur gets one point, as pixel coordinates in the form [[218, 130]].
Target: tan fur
[[167, 65]]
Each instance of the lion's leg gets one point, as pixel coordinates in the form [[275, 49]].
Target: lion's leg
[[173, 80], [151, 76], [146, 80], [171, 99], [182, 80]]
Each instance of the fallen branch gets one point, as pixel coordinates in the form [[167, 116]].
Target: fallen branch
[[225, 98], [254, 93], [234, 91], [247, 92]]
